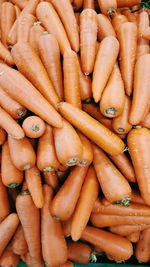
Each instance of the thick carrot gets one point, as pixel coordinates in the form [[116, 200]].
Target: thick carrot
[[127, 3], [87, 152], [11, 106], [110, 106], [88, 195], [143, 44], [4, 202], [117, 20], [69, 151], [50, 20], [20, 3], [29, 216], [142, 250], [27, 95], [108, 242], [35, 32], [146, 121], [5, 55], [7, 229], [11, 176], [136, 197], [116, 188], [125, 230], [89, 4], [107, 6], [50, 55], [30, 65], [8, 258], [66, 14], [105, 60], [24, 24], [77, 4], [2, 136], [51, 179], [88, 36], [54, 248], [91, 128], [121, 124], [105, 27], [146, 33], [18, 243], [65, 200], [46, 154], [134, 237], [22, 153], [34, 126]]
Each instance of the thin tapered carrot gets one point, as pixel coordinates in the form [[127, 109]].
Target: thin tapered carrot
[[125, 230], [71, 79], [127, 3], [108, 242], [105, 27], [146, 33], [105, 60], [24, 24], [10, 81], [117, 187], [143, 44], [50, 55], [7, 229], [35, 32], [127, 36], [11, 176], [46, 153], [30, 65], [22, 153], [20, 3], [5, 55], [50, 20], [17, 10], [66, 14], [107, 6], [87, 152], [77, 4], [4, 202], [65, 200], [52, 238], [109, 105], [89, 4], [29, 216], [18, 243], [34, 126], [121, 124], [8, 258], [141, 88], [2, 136], [92, 129], [136, 197], [142, 250], [51, 179], [11, 106], [34, 185], [146, 121], [130, 16], [88, 36], [134, 237], [88, 195], [117, 20], [68, 151]]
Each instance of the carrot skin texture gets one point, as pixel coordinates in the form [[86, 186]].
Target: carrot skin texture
[[5, 55], [143, 44], [21, 4], [105, 27], [8, 258], [4, 202], [18, 243], [87, 152], [125, 230], [79, 252], [24, 24], [117, 20], [127, 3], [134, 237], [51, 179], [146, 33], [89, 4], [34, 126], [35, 32], [2, 136], [107, 5], [142, 250], [146, 121]]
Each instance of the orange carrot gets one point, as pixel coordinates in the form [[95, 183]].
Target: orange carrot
[[65, 200], [106, 170], [146, 33], [27, 259], [12, 35], [51, 179], [105, 27], [107, 6], [142, 250], [89, 4], [35, 32], [8, 258], [134, 237], [130, 16], [66, 226], [105, 60], [125, 230], [24, 24], [2, 136], [77, 16], [87, 152], [127, 3], [20, 3], [117, 20], [17, 10], [4, 202], [34, 126], [18, 243], [146, 121], [143, 45], [5, 55], [77, 4]]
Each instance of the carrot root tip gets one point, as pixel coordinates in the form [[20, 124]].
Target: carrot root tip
[[111, 111], [93, 257], [83, 162], [48, 169], [21, 112], [72, 161], [13, 185]]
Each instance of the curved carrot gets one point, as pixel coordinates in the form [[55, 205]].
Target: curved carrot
[[34, 126], [46, 154], [146, 121], [91, 128], [2, 136], [65, 200], [88, 36], [51, 179], [89, 4], [5, 55], [24, 24], [105, 27], [146, 33], [52, 238], [22, 153], [125, 230], [35, 32], [50, 20], [20, 3], [8, 258], [134, 237], [105, 170], [50, 55], [117, 20], [143, 44], [107, 6], [142, 252], [105, 60], [18, 243], [87, 153], [10, 81], [4, 202], [88, 195]]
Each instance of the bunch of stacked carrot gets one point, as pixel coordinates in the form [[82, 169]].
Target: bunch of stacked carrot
[[74, 131]]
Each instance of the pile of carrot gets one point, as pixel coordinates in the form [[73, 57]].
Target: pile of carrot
[[74, 131]]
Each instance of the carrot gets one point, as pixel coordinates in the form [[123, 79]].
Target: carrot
[[143, 45], [134, 237], [4, 202], [105, 168], [65, 200], [66, 14], [2, 136], [142, 250], [26, 59], [51, 179], [125, 166], [35, 32], [7, 19], [87, 153], [10, 81], [30, 7], [11, 176], [108, 242], [77, 16], [92, 129], [50, 20], [46, 154], [77, 4], [8, 258], [88, 195], [105, 27], [146, 33], [146, 121], [66, 227], [11, 106], [88, 36], [34, 126], [18, 243], [5, 55], [17, 11], [12, 35], [130, 16], [89, 4], [22, 153], [52, 238], [20, 3], [69, 151], [127, 36], [121, 124], [50, 55], [24, 24], [29, 216], [107, 6], [117, 21], [109, 105], [67, 264], [7, 229], [127, 3], [125, 230], [105, 60], [136, 198], [141, 87], [94, 111]]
